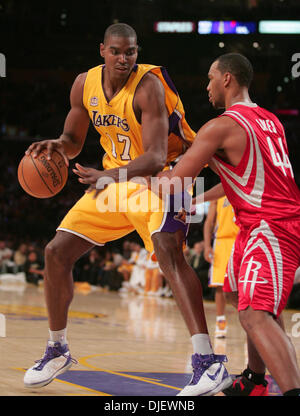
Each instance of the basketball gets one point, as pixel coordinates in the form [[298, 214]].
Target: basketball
[[43, 178]]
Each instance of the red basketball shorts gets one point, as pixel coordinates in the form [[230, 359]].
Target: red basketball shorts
[[262, 265]]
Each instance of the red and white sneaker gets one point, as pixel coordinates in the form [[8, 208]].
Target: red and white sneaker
[[242, 386]]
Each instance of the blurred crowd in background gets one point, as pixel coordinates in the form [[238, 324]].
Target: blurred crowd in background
[[128, 270]]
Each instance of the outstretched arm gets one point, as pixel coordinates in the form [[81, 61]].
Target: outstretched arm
[[221, 135], [208, 140], [212, 194]]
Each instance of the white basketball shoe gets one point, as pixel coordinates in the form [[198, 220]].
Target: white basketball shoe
[[209, 376], [56, 360]]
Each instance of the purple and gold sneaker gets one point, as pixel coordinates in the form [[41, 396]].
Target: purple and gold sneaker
[[56, 360], [209, 376]]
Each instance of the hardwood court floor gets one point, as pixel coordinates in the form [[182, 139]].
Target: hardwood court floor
[[130, 345]]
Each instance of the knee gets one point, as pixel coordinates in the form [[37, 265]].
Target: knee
[[56, 255], [243, 318], [251, 319], [51, 251], [167, 250], [164, 246]]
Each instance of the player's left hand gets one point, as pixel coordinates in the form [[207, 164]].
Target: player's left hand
[[97, 179]]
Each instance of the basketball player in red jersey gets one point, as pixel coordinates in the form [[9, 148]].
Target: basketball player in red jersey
[[139, 116], [246, 146]]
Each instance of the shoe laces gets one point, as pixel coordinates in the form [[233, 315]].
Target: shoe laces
[[57, 350], [201, 363]]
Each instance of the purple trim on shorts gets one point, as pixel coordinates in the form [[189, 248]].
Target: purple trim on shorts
[[177, 219]]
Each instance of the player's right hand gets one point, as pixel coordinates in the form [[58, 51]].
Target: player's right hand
[[208, 254], [47, 146]]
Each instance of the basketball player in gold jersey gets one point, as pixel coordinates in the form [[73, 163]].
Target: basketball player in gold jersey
[[140, 118], [220, 227]]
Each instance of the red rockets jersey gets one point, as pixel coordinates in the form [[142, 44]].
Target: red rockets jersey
[[262, 185]]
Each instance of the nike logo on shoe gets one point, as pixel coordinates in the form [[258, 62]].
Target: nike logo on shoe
[[216, 374]]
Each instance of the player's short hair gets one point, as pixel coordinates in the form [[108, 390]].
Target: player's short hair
[[121, 30], [238, 65]]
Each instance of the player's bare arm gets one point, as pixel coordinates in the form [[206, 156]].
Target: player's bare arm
[[151, 112], [208, 140], [220, 136], [211, 194], [71, 141]]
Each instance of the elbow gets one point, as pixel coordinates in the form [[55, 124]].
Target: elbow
[[76, 147], [74, 152]]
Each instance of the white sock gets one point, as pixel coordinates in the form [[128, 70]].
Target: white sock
[[59, 336], [201, 344], [221, 318]]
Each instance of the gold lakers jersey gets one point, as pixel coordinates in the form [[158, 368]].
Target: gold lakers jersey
[[225, 221], [120, 132]]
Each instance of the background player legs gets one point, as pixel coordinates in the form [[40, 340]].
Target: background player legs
[[148, 280], [221, 324], [153, 282], [232, 298], [60, 255], [157, 281], [220, 301], [273, 346], [185, 284]]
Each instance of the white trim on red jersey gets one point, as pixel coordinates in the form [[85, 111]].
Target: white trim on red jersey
[[275, 267], [255, 196]]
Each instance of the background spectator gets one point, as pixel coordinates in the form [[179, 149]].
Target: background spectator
[[91, 270], [20, 257], [7, 264], [34, 268]]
